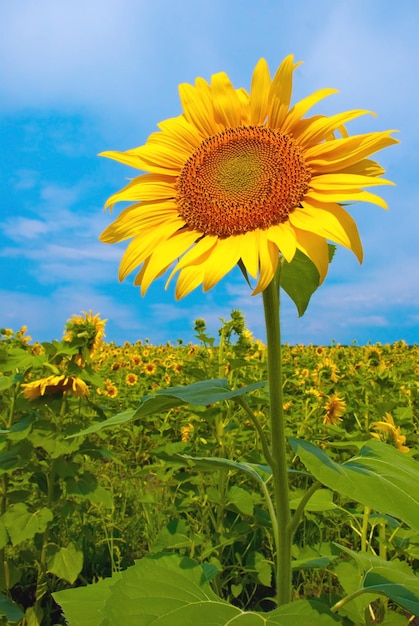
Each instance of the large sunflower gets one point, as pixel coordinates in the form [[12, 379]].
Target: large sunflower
[[243, 178]]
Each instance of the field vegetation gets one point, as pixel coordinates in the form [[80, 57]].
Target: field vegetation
[[77, 509]]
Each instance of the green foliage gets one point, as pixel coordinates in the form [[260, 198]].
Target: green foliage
[[170, 590], [300, 279], [180, 469], [378, 476]]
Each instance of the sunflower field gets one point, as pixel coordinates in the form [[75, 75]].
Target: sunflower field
[[82, 508]]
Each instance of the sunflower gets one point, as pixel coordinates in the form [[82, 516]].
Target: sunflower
[[111, 391], [388, 427], [89, 327], [55, 385], [243, 178], [150, 368], [131, 379], [335, 408]]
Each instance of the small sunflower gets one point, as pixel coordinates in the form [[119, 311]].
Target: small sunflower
[[243, 178], [88, 327], [185, 432], [335, 408], [111, 390], [55, 385], [388, 427], [150, 369], [131, 379]]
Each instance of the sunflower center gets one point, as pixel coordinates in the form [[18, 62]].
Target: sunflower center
[[242, 179]]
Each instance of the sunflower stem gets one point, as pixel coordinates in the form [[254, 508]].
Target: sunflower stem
[[278, 461]]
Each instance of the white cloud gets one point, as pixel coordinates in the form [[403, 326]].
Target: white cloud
[[24, 228]]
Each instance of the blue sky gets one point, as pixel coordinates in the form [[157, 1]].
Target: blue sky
[[81, 77]]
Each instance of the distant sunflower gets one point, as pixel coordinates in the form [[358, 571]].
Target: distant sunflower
[[89, 327], [242, 178], [150, 368], [55, 385], [388, 427], [131, 379], [111, 391], [335, 408]]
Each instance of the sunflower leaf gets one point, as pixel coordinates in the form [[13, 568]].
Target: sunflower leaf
[[173, 590], [379, 476], [300, 278]]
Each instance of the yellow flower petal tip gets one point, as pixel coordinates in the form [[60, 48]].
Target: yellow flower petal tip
[[243, 177]]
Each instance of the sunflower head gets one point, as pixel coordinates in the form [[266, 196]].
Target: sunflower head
[[335, 408], [86, 332], [55, 385], [243, 178]]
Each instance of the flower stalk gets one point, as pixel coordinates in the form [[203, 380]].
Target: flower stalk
[[278, 460]]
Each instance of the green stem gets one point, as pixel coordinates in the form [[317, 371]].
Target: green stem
[[263, 440], [296, 518], [278, 447], [364, 530]]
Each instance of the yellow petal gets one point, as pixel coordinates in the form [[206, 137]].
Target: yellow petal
[[158, 155], [268, 261], [280, 92], [261, 82], [249, 253], [160, 260], [197, 106], [226, 103], [182, 131], [366, 167], [321, 127], [333, 223], [146, 187], [139, 217], [304, 105], [315, 247], [281, 87], [336, 182], [224, 256], [244, 99], [127, 159], [345, 196], [144, 245], [341, 153], [283, 236], [189, 279]]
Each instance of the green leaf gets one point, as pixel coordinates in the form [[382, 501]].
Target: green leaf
[[395, 579], [4, 537], [241, 499], [10, 610], [300, 278], [5, 382], [100, 496], [52, 442], [321, 500], [379, 476], [311, 558], [211, 463], [201, 393], [350, 578], [174, 536], [170, 590], [21, 524], [66, 563], [263, 568], [16, 457], [82, 484], [83, 605]]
